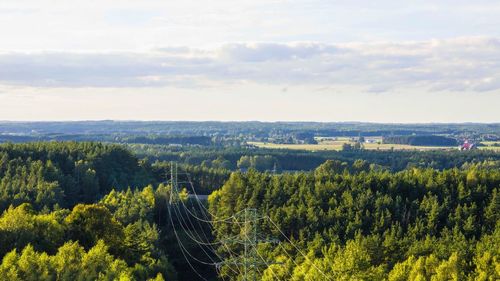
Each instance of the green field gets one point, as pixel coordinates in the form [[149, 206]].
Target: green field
[[337, 145], [491, 145], [495, 148]]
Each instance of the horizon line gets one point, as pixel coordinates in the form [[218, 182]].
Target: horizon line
[[248, 121]]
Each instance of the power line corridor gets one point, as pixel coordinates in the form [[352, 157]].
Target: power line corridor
[[233, 257]]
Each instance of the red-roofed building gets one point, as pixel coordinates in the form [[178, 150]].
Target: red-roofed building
[[467, 145]]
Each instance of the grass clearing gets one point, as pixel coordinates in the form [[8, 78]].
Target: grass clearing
[[337, 145], [494, 148], [491, 145]]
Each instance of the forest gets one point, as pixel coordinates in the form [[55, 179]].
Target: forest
[[210, 133], [421, 140], [288, 160], [418, 224], [94, 211]]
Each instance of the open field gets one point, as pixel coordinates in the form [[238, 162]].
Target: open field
[[337, 145], [495, 148], [491, 145]]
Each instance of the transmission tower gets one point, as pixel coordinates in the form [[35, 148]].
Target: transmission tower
[[173, 182], [250, 260], [249, 238]]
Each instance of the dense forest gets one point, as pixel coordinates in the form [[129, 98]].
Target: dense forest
[[421, 140], [48, 174], [418, 224], [51, 228], [232, 157], [113, 138], [92, 211]]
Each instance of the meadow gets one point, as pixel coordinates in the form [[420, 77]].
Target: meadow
[[337, 144]]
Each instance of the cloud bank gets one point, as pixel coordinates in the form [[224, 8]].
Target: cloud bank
[[462, 64]]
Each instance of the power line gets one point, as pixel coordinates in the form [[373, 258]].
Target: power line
[[174, 205], [297, 248], [246, 264], [250, 261]]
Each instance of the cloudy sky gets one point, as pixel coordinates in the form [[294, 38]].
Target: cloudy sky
[[319, 60]]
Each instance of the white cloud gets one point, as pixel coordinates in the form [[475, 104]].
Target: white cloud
[[136, 25], [57, 57], [461, 64]]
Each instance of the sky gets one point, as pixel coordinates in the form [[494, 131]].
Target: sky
[[269, 60]]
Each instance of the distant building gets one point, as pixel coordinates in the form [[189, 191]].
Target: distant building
[[467, 145]]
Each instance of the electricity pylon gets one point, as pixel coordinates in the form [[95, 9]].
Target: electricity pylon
[[250, 260], [173, 183], [249, 217]]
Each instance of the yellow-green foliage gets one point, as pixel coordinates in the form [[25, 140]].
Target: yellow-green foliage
[[428, 268], [418, 224], [87, 243], [71, 262], [130, 206]]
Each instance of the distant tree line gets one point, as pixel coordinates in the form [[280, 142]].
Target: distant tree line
[[114, 138], [296, 160], [421, 140], [183, 140]]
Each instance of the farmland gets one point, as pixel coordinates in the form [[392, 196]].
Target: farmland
[[491, 145], [337, 143]]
